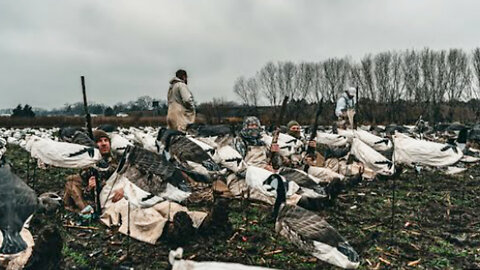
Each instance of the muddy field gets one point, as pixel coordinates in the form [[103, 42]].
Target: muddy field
[[436, 225]]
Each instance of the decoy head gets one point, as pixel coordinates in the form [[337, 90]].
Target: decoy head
[[277, 182], [49, 202]]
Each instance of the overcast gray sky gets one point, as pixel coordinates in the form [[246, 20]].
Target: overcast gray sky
[[127, 48]]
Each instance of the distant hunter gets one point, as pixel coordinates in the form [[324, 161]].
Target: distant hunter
[[181, 106]]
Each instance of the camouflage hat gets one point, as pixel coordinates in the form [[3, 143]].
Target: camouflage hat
[[251, 120], [98, 133], [292, 123]]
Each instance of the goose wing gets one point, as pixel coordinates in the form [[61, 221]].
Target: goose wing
[[310, 226]]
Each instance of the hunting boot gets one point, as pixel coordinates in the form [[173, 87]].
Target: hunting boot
[[217, 220], [181, 230]]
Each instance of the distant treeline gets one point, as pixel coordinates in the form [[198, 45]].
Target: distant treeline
[[144, 103], [368, 112], [424, 79]]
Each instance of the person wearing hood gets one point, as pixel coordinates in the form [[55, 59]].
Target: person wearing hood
[[252, 147], [345, 109], [181, 106], [79, 187], [299, 159]]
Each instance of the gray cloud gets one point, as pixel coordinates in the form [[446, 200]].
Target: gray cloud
[[127, 49]]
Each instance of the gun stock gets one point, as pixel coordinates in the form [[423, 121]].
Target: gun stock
[[93, 172]]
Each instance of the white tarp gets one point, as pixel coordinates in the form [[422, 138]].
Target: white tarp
[[371, 158], [62, 154], [412, 151], [146, 219]]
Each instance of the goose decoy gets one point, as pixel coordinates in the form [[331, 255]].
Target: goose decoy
[[153, 174], [311, 233], [17, 203], [62, 154], [185, 150]]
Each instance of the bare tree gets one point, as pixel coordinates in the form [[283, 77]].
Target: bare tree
[[318, 86], [411, 76], [267, 80], [304, 80], [434, 77], [253, 91], [285, 78], [382, 75], [396, 79], [336, 74], [458, 74], [240, 89], [363, 76], [476, 72]]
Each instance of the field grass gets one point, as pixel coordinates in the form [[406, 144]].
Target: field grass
[[436, 226]]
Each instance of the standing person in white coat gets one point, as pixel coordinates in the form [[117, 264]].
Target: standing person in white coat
[[181, 107], [345, 109]]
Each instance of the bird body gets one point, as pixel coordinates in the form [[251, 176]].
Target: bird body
[[17, 203]]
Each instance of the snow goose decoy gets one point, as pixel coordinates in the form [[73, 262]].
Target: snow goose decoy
[[311, 233], [17, 203]]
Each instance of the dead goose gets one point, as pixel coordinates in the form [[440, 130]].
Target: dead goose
[[187, 151], [153, 174], [311, 233]]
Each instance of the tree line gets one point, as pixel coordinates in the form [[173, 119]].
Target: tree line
[[143, 103], [421, 77]]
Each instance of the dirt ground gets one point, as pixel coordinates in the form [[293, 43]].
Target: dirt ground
[[436, 225]]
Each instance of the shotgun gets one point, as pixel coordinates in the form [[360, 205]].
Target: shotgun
[[92, 171]]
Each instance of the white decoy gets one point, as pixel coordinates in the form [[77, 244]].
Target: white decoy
[[62, 154]]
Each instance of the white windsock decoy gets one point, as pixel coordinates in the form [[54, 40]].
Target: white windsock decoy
[[331, 139], [146, 140], [412, 151], [288, 144], [118, 143], [371, 158], [375, 142], [62, 154]]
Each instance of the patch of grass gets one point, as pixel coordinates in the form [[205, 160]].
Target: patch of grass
[[78, 258]]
